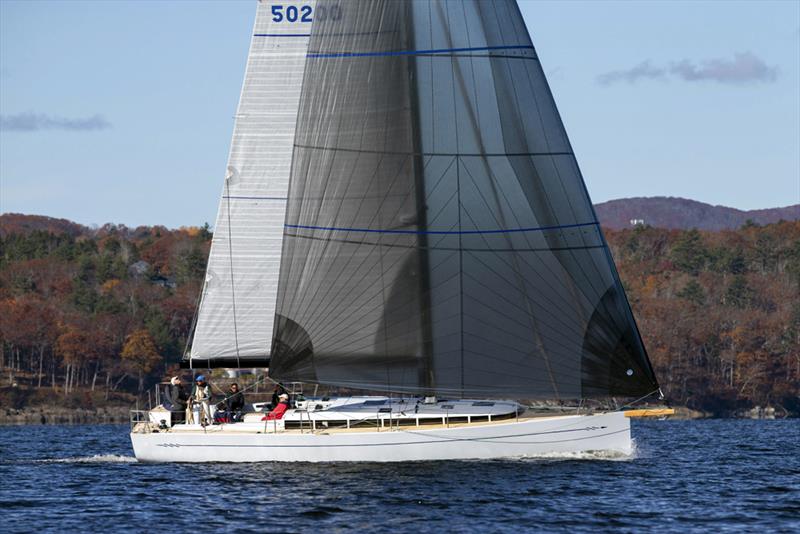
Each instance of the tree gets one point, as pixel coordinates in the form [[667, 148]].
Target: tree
[[141, 352], [739, 294], [689, 253], [190, 264], [793, 261], [693, 292], [205, 232], [71, 345]]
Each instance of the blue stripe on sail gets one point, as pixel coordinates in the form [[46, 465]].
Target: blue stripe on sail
[[234, 197], [281, 35], [416, 52], [442, 232]]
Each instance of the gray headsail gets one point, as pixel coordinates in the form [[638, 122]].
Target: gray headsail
[[237, 307], [439, 238]]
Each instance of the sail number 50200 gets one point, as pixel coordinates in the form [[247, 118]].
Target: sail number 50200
[[291, 13], [303, 13]]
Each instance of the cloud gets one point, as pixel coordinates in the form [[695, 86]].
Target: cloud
[[33, 122], [642, 70], [742, 69]]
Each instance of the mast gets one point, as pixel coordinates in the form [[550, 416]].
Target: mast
[[426, 372]]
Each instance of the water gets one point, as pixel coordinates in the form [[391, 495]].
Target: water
[[722, 475]]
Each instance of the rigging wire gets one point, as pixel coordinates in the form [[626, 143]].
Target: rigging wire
[[230, 258], [193, 326]]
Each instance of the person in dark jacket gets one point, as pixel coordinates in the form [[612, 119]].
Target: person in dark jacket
[[176, 400], [234, 404]]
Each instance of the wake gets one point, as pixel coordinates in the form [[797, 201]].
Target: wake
[[95, 459]]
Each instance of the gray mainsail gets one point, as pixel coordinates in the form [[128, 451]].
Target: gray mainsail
[[237, 307], [439, 237]]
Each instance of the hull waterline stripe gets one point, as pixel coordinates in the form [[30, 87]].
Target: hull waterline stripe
[[416, 52], [281, 35], [440, 232], [492, 439]]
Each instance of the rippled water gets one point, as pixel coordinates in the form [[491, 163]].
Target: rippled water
[[685, 476]]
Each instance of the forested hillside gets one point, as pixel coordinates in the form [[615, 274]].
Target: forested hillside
[[106, 309], [719, 312], [110, 309]]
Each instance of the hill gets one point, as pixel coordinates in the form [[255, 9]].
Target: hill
[[684, 214], [660, 212], [17, 223]]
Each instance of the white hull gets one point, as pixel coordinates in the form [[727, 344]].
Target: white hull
[[542, 436]]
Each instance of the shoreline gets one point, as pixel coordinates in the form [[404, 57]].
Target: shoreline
[[58, 415]]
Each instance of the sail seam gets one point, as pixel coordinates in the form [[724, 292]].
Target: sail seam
[[234, 197], [450, 154], [416, 52], [465, 249], [440, 232]]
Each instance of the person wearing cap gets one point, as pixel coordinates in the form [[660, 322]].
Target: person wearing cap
[[276, 395], [201, 394], [279, 410], [176, 400]]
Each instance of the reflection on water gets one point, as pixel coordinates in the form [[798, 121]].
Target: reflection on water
[[683, 476]]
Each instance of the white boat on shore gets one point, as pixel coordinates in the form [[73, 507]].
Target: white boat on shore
[[403, 213]]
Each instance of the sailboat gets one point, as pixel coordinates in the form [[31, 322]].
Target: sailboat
[[403, 214]]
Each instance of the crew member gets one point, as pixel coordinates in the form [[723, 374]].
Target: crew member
[[201, 394], [276, 393], [279, 410], [176, 400], [234, 404]]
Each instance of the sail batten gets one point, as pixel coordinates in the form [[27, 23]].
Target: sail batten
[[439, 238]]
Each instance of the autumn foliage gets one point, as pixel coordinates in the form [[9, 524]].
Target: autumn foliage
[[95, 308], [112, 307], [719, 312], [140, 350]]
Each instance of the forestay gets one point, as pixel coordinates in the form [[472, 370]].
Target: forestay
[[439, 237], [234, 322]]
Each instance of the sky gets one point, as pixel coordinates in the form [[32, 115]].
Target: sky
[[122, 111]]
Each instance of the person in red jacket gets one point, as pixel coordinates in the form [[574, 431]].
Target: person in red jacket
[[278, 411]]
